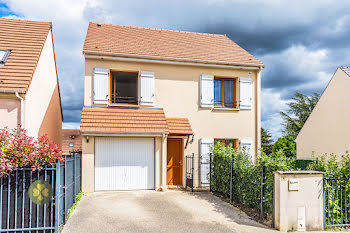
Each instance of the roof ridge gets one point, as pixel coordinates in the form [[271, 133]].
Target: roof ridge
[[26, 20], [160, 29]]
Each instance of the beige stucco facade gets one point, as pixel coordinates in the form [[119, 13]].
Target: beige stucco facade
[[177, 91], [326, 130], [41, 103]]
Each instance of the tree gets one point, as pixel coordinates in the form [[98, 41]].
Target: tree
[[299, 110], [287, 145], [266, 141]]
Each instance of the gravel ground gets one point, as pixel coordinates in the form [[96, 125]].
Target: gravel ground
[[150, 211]]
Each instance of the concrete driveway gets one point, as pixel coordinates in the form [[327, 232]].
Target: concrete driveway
[[150, 211]]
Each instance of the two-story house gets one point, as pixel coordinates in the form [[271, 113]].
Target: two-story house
[[29, 88], [326, 130], [154, 96]]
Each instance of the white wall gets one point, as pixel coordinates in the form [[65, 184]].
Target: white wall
[[40, 91]]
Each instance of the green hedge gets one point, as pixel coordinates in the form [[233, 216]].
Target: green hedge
[[246, 182]]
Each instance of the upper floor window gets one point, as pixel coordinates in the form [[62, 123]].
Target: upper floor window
[[124, 88], [233, 93], [224, 92], [4, 54], [71, 144]]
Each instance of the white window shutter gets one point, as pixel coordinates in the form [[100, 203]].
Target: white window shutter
[[204, 149], [100, 86], [246, 93], [147, 88], [247, 147], [207, 91]]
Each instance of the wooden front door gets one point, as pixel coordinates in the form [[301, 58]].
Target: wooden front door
[[174, 165]]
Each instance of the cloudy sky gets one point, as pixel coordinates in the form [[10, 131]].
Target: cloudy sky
[[301, 42]]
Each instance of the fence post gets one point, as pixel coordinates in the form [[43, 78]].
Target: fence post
[[324, 203], [74, 177], [262, 191], [210, 161], [231, 178], [57, 200], [192, 170]]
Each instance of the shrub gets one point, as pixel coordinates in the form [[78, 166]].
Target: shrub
[[17, 150], [246, 181], [287, 145]]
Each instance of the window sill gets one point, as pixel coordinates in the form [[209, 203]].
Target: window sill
[[224, 109], [125, 105]]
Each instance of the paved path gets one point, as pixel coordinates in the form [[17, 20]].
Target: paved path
[[150, 211]]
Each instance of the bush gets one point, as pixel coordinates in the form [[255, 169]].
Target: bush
[[18, 150], [246, 181], [287, 145]]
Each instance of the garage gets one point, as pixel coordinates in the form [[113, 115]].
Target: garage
[[124, 163]]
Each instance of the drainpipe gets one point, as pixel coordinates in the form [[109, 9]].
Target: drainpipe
[[22, 114], [258, 111]]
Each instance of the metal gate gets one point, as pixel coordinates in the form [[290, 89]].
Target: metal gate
[[336, 201], [189, 171]]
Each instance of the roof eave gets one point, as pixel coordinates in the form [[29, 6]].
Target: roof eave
[[126, 133], [13, 91], [167, 59]]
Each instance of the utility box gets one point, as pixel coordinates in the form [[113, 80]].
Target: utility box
[[298, 201]]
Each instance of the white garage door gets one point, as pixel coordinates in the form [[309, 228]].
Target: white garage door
[[124, 163]]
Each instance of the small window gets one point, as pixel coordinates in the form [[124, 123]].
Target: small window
[[4, 54], [224, 92], [227, 142], [71, 144], [124, 88]]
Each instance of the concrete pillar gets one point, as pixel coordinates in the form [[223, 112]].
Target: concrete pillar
[[88, 164], [298, 201]]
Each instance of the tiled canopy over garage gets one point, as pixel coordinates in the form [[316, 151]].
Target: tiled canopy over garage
[[126, 120]]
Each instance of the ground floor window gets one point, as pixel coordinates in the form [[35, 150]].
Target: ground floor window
[[227, 142]]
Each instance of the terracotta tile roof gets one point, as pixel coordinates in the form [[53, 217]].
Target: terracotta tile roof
[[179, 126], [123, 120], [68, 136], [25, 39], [128, 41]]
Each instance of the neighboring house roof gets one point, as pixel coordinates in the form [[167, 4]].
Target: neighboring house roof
[[160, 44], [179, 126], [25, 39], [346, 70], [122, 120], [71, 141]]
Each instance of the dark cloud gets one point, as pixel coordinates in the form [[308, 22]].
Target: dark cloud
[[301, 42]]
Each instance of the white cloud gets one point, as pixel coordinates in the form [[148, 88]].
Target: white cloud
[[71, 125], [271, 105]]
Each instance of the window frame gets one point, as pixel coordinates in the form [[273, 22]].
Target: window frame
[[71, 144], [223, 140], [137, 87], [235, 89], [6, 56]]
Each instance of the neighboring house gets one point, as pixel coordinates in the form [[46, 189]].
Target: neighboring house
[[327, 129], [29, 91], [154, 96], [71, 141]]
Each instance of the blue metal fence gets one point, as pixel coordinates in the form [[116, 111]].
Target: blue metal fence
[[336, 201], [19, 213]]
